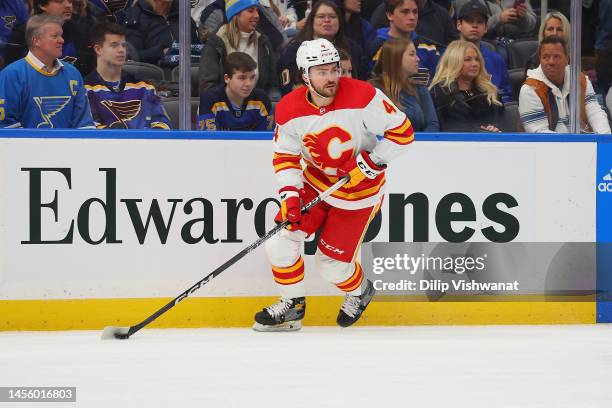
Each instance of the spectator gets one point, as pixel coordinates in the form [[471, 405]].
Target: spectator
[[403, 17], [13, 13], [544, 97], [603, 47], [397, 63], [288, 15], [239, 35], [324, 21], [39, 91], [274, 13], [472, 26], [214, 16], [197, 7], [507, 18], [555, 24], [153, 27], [355, 27], [116, 99], [345, 64], [465, 98], [435, 24], [236, 104], [110, 11], [76, 49]]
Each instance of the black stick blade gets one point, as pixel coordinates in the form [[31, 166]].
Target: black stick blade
[[112, 333]]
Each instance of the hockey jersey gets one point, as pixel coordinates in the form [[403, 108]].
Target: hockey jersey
[[131, 104], [326, 137], [428, 55], [217, 113], [12, 14], [33, 98]]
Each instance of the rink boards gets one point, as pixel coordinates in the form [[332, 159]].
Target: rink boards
[[97, 231]]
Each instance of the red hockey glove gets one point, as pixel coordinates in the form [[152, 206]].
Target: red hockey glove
[[291, 206], [360, 168]]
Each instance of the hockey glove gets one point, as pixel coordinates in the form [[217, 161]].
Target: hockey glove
[[360, 169], [291, 206]]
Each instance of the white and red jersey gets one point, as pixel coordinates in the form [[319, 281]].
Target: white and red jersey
[[327, 137]]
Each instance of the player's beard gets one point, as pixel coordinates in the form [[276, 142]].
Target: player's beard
[[326, 90]]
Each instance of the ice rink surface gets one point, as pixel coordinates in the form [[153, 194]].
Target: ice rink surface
[[374, 367]]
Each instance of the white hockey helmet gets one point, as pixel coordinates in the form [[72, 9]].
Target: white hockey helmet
[[316, 52]]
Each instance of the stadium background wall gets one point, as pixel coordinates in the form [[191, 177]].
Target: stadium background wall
[[102, 228]]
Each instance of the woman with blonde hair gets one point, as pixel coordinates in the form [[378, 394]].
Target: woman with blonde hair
[[465, 98], [555, 23], [398, 62]]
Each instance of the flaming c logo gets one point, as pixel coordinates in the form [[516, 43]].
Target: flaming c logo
[[330, 148]]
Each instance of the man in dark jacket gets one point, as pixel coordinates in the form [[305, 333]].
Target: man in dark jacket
[[404, 16], [77, 48], [435, 23], [152, 27]]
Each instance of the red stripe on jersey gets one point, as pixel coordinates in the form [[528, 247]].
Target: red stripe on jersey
[[402, 134], [283, 161]]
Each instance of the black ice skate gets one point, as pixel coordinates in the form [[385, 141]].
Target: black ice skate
[[284, 315], [354, 306]]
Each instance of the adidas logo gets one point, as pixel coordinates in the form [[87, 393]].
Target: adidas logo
[[606, 185]]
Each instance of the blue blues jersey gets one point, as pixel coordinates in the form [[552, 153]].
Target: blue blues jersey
[[131, 104], [217, 113], [33, 98], [428, 55], [12, 14]]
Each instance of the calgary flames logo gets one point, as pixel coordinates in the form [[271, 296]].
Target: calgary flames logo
[[330, 148]]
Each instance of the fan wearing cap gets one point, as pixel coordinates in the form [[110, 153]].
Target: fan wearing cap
[[239, 35], [329, 125], [507, 18], [472, 26]]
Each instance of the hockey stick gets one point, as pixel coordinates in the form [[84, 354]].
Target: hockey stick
[[112, 332]]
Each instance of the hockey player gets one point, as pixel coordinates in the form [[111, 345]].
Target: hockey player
[[331, 124], [117, 99], [39, 91]]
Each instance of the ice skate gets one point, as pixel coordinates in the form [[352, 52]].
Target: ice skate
[[353, 306], [284, 315]]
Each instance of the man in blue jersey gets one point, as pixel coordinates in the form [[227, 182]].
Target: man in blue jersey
[[236, 104], [76, 51], [39, 91], [12, 14], [403, 17], [116, 98]]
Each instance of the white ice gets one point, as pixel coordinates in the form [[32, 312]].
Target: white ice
[[374, 367]]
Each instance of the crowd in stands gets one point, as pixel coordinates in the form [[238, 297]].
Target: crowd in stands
[[451, 65]]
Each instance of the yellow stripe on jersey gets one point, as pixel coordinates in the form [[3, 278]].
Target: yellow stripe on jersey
[[340, 194], [402, 134], [258, 105], [287, 165], [219, 106]]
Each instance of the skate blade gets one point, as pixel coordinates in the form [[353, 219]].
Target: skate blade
[[283, 327]]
